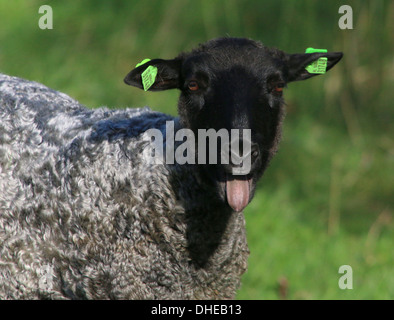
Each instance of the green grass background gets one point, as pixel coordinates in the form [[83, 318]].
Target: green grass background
[[327, 198]]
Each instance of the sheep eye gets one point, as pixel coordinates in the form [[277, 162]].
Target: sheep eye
[[278, 89], [193, 85]]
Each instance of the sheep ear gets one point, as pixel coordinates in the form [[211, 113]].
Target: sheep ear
[[297, 63], [167, 77]]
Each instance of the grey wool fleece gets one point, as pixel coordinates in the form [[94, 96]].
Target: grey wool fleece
[[84, 215]]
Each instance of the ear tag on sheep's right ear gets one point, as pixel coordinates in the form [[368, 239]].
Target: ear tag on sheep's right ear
[[320, 65], [148, 77]]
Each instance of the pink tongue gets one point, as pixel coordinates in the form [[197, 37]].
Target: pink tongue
[[237, 194]]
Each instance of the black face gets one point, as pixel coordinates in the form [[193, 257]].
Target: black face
[[221, 95], [233, 84]]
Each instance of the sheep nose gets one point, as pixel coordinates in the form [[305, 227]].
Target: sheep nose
[[239, 156]]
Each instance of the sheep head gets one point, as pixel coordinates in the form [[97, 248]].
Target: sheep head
[[233, 84]]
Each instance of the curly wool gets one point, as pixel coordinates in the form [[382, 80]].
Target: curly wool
[[84, 215]]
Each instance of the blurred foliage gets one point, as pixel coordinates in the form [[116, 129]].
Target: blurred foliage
[[327, 199]]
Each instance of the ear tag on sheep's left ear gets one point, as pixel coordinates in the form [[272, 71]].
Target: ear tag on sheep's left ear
[[320, 65], [148, 77]]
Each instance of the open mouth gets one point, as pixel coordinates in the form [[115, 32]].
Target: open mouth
[[238, 190]]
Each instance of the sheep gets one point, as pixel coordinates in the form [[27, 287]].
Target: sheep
[[85, 214]]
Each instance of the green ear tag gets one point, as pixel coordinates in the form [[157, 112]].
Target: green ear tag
[[148, 76], [320, 65]]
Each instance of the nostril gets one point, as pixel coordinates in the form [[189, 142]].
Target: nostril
[[255, 150], [237, 153]]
